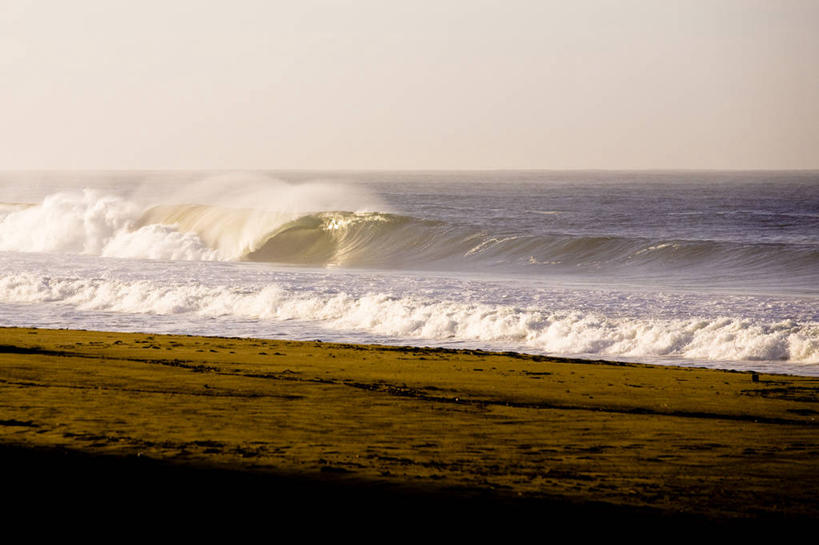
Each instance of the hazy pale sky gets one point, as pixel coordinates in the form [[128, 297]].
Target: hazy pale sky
[[422, 84]]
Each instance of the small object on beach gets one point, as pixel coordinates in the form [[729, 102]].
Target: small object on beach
[[755, 377]]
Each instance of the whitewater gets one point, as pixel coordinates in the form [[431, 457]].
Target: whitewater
[[683, 268]]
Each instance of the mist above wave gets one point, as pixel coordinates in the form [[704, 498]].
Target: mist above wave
[[231, 215], [320, 224]]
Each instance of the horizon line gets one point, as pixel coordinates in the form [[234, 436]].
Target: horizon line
[[405, 170]]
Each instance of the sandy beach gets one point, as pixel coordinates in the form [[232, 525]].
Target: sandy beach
[[401, 424], [384, 268]]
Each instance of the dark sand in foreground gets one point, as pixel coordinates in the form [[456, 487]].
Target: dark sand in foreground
[[387, 427]]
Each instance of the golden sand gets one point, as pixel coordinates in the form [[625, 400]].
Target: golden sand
[[719, 443]]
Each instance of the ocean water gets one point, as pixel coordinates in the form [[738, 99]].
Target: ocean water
[[713, 269]]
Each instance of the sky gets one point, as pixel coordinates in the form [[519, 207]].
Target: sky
[[421, 84]]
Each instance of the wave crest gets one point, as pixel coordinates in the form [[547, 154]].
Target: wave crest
[[92, 223]]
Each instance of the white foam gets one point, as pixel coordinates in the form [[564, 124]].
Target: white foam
[[221, 217], [158, 242], [91, 223], [419, 317]]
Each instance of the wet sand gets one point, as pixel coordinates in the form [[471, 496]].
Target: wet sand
[[373, 427]]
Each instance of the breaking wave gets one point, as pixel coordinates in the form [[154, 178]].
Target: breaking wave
[[91, 223]]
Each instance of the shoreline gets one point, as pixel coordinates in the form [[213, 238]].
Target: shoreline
[[386, 423], [730, 366]]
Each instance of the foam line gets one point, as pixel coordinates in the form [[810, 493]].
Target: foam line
[[415, 316]]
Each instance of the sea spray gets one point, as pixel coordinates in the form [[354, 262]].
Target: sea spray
[[229, 214], [92, 223], [713, 269]]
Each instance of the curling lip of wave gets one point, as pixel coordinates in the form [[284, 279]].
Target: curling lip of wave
[[264, 235], [389, 240], [91, 223]]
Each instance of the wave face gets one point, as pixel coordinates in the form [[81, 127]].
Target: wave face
[[92, 223], [392, 241], [712, 269], [231, 216]]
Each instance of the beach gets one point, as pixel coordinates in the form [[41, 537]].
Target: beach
[[393, 422], [372, 267]]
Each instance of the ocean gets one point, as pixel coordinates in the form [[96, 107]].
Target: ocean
[[710, 269]]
